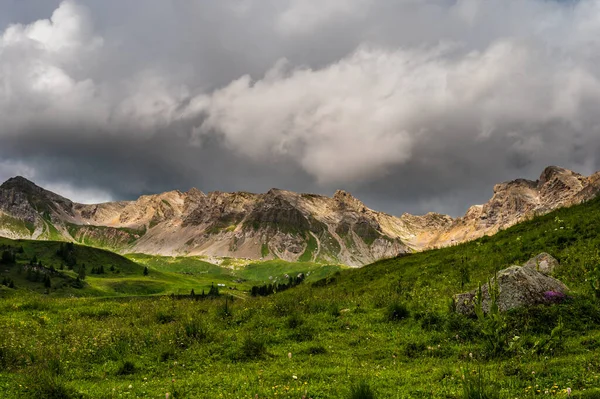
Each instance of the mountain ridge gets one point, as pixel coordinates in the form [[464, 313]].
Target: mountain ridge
[[276, 224]]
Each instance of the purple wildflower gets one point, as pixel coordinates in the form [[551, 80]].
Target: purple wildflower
[[554, 296]]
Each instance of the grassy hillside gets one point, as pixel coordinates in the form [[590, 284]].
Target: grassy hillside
[[125, 275], [386, 328]]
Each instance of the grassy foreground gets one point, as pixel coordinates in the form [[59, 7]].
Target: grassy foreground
[[386, 330]]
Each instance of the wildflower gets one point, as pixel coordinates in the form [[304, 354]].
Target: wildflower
[[568, 391], [289, 355], [295, 377], [130, 386], [471, 355], [167, 396]]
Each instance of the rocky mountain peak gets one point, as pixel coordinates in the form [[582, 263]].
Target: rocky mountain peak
[[555, 172], [345, 200], [35, 193], [18, 182], [195, 192]]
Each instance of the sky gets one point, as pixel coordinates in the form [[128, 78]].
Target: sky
[[410, 105]]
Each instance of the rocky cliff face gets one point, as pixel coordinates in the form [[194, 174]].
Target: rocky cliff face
[[277, 224], [519, 200]]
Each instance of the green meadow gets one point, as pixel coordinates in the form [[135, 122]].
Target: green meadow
[[386, 330]]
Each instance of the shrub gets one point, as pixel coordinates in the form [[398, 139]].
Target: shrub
[[195, 330], [294, 321], [225, 311], [430, 321], [8, 358], [127, 368], [494, 328], [252, 349], [397, 311], [362, 390], [43, 386], [316, 350], [165, 318], [461, 325], [167, 355], [412, 349], [334, 310], [302, 334]]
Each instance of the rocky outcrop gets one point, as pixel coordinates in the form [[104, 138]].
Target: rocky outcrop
[[515, 287], [543, 263]]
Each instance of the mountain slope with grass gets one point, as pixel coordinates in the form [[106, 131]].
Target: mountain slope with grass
[[60, 269]]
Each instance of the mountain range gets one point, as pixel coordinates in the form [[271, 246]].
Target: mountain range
[[277, 224]]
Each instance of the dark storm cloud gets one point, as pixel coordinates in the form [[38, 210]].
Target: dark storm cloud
[[411, 105]]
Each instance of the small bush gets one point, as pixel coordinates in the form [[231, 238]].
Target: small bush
[[430, 321], [252, 349], [397, 311], [167, 355], [334, 310], [302, 334], [195, 330], [294, 321], [362, 390], [42, 384], [412, 349], [165, 318], [316, 350], [8, 358], [461, 325], [127, 368]]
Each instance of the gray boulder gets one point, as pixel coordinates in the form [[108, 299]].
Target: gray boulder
[[517, 286], [543, 263]]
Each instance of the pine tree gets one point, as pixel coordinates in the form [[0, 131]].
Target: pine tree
[[47, 282], [6, 257], [214, 291], [145, 270], [78, 283], [81, 274]]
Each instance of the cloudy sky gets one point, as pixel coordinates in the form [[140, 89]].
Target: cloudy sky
[[411, 105]]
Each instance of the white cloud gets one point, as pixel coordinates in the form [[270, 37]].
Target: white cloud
[[355, 118], [305, 16], [370, 85]]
